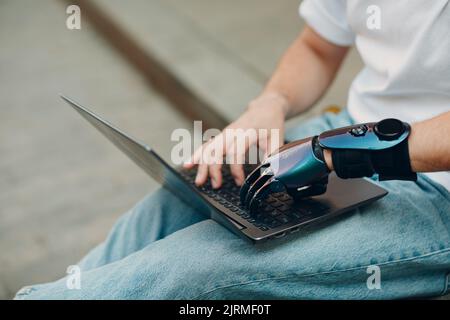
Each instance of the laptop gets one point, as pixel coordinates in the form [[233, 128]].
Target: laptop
[[279, 216]]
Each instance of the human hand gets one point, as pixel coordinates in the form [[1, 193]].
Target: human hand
[[261, 125]]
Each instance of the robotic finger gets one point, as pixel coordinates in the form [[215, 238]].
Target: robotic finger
[[360, 150]]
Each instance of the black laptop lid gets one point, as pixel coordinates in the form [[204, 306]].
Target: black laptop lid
[[145, 158]]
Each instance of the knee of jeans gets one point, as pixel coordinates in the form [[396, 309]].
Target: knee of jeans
[[157, 196], [157, 199], [153, 205], [192, 262]]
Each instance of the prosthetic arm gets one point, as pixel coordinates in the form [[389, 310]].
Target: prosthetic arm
[[360, 150]]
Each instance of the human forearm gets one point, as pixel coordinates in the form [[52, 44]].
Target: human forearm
[[305, 71], [428, 145]]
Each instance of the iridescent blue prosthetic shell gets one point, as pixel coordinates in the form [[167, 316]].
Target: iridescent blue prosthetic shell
[[299, 167]]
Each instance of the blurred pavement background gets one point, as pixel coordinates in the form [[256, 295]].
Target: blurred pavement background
[[63, 185]]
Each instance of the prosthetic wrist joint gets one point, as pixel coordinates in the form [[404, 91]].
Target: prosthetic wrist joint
[[371, 148]]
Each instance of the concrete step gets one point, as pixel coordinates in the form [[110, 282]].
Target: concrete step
[[215, 53], [62, 184]]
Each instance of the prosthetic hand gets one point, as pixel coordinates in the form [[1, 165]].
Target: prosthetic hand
[[358, 151]]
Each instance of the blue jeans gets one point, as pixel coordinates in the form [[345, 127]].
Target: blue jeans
[[164, 249]]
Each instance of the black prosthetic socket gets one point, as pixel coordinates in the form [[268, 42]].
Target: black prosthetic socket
[[390, 164], [352, 163], [394, 163]]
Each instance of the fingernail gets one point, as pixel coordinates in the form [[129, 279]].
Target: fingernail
[[214, 182]]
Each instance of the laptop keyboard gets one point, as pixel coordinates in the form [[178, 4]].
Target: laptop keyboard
[[278, 209]]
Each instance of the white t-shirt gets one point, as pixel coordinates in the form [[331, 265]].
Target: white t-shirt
[[405, 46]]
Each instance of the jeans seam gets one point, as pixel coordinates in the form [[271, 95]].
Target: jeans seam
[[25, 291], [388, 263], [447, 285]]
